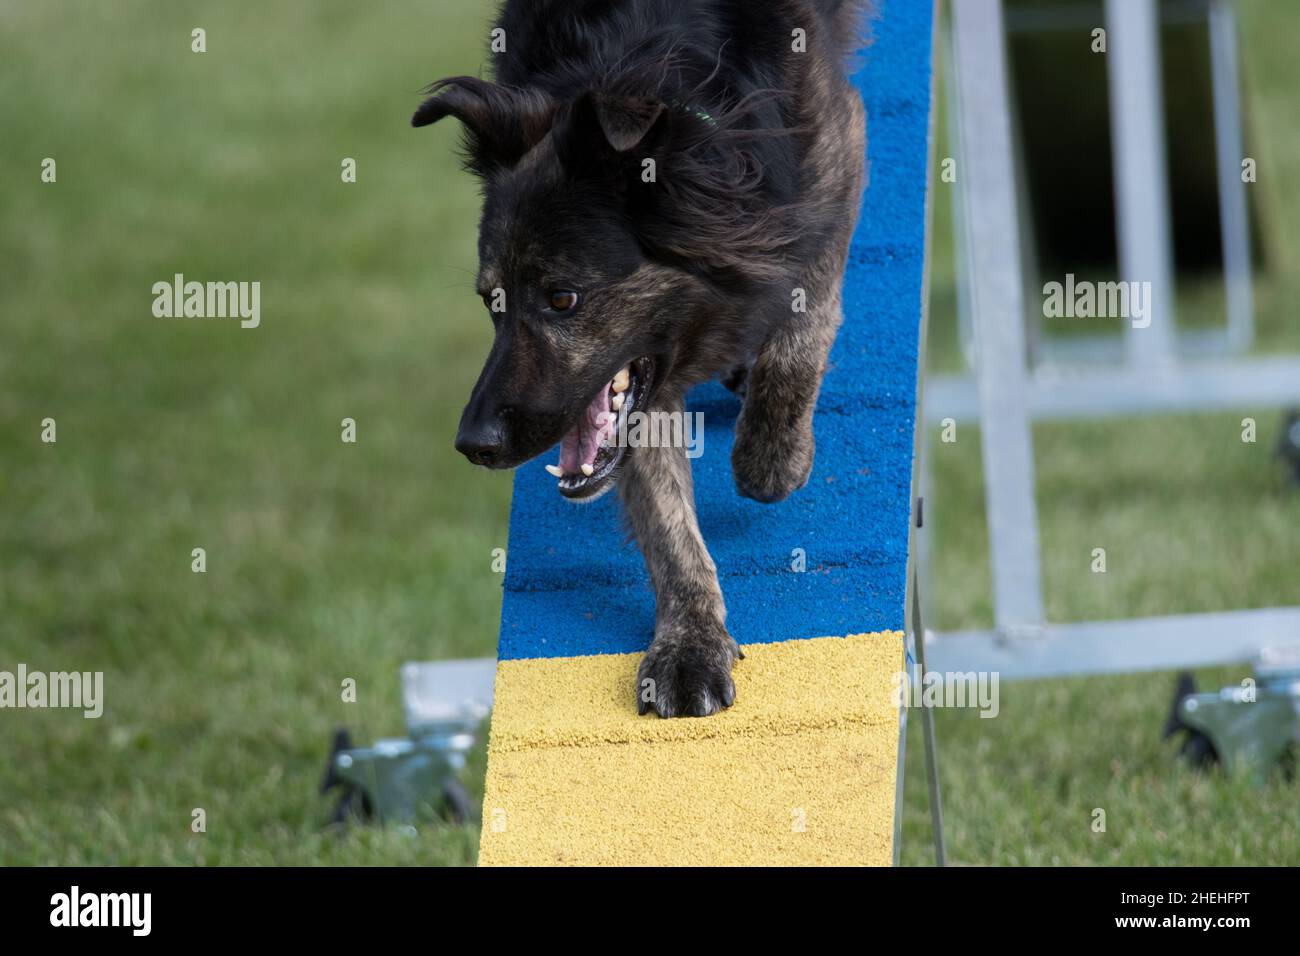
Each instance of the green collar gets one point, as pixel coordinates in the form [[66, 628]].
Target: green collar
[[695, 111]]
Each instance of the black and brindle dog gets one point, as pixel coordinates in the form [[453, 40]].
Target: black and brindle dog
[[669, 191]]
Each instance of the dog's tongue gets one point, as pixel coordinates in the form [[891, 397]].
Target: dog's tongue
[[580, 445]]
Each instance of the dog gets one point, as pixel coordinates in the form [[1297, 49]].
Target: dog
[[669, 190]]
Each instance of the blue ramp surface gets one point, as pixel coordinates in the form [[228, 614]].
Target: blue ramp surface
[[574, 587]]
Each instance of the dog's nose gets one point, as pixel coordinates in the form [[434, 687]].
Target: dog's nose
[[480, 443]]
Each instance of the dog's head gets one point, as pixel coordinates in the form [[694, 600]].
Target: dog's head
[[588, 299]]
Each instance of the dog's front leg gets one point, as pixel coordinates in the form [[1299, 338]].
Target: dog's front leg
[[687, 670], [773, 454]]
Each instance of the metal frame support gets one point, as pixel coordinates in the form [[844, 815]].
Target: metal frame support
[[993, 242], [1234, 222], [927, 729], [1265, 381], [1121, 646], [913, 619], [1237, 335], [1141, 174]]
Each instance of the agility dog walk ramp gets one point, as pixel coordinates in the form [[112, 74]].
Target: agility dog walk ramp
[[804, 767]]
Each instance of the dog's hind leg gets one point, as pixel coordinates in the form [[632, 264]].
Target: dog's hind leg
[[687, 670]]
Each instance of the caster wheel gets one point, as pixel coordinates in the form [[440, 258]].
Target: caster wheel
[[1197, 748], [353, 804]]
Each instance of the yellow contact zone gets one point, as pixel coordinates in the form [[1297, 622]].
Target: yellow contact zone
[[799, 771]]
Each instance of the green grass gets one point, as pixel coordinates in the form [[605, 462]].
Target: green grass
[[329, 561], [325, 560]]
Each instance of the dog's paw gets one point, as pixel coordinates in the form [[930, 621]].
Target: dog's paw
[[769, 463], [687, 672]]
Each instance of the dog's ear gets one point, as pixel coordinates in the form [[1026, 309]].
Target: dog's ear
[[626, 123], [501, 123], [600, 125]]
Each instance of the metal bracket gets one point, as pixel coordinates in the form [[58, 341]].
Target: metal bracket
[[1251, 725], [445, 704]]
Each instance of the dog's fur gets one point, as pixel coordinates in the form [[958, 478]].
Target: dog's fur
[[758, 157]]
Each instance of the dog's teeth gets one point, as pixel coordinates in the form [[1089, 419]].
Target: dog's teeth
[[621, 380], [588, 470], [617, 401], [555, 470]]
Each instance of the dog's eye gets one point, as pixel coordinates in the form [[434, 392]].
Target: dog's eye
[[562, 300]]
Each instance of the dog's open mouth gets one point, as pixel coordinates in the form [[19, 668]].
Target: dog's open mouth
[[595, 445]]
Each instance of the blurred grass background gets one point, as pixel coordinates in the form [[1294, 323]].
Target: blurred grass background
[[329, 561]]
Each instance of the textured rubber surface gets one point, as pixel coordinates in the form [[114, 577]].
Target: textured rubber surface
[[800, 771]]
